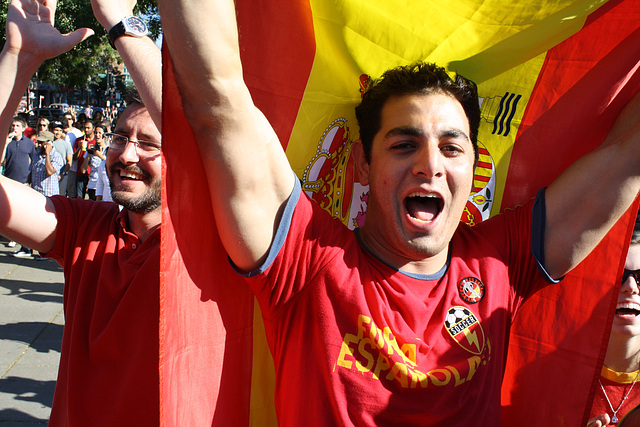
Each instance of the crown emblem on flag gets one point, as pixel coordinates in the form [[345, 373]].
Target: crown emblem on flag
[[328, 177]]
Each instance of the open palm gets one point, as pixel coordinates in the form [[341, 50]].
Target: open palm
[[30, 30]]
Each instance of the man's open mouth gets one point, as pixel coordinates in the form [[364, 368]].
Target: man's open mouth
[[424, 207], [131, 175]]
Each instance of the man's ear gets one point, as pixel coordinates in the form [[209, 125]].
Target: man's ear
[[360, 161]]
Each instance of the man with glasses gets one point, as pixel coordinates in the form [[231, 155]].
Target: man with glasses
[[108, 371], [135, 175]]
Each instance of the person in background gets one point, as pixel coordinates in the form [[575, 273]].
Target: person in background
[[44, 175], [103, 189], [107, 125], [97, 116], [80, 155], [63, 147], [80, 120], [42, 123], [113, 113], [618, 391], [71, 134], [95, 155], [17, 160], [46, 165]]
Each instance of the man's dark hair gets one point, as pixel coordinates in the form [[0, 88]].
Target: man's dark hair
[[132, 96], [419, 78], [89, 121], [21, 120]]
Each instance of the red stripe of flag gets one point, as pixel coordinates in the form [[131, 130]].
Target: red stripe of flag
[[206, 319], [565, 119], [277, 49]]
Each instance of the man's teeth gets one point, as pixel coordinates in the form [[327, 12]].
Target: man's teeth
[[628, 308], [629, 305], [131, 175], [417, 194]]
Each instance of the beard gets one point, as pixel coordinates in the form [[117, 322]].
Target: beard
[[146, 202]]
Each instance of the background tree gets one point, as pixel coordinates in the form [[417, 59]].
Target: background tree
[[81, 65]]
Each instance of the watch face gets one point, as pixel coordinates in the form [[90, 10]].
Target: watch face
[[136, 25]]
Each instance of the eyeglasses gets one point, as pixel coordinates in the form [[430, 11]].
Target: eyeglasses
[[634, 273], [119, 143]]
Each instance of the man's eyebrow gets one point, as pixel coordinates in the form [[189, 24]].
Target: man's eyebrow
[[453, 133], [413, 131], [404, 131]]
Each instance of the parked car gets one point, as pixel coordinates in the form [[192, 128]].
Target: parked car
[[50, 113], [63, 107]]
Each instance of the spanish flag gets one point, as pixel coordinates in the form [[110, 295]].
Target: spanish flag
[[552, 77]]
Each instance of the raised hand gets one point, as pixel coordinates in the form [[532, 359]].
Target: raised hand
[[31, 33]]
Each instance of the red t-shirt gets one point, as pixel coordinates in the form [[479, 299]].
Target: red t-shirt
[[108, 372], [82, 154], [616, 384], [356, 342]]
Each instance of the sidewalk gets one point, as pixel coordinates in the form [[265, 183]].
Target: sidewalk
[[31, 322]]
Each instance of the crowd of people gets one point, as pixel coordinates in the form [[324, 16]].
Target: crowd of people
[[64, 158], [323, 290]]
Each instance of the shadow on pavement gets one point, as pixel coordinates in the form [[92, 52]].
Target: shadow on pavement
[[28, 390], [13, 417], [26, 331], [34, 291]]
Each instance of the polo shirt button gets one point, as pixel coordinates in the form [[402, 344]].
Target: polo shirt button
[[134, 246]]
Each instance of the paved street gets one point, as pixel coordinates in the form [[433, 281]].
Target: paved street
[[31, 322]]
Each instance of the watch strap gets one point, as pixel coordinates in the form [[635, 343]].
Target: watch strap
[[115, 32]]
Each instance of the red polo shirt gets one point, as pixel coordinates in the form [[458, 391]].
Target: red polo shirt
[[108, 371]]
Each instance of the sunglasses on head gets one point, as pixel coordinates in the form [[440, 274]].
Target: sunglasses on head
[[634, 273]]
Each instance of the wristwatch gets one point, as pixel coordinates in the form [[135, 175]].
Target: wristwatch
[[130, 26]]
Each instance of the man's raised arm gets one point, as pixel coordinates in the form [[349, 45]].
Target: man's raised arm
[[140, 54], [592, 194], [31, 39], [25, 215], [247, 171]]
